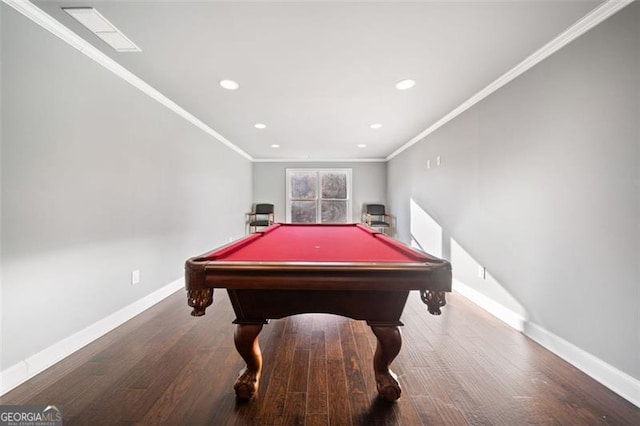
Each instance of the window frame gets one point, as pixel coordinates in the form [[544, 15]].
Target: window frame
[[289, 172]]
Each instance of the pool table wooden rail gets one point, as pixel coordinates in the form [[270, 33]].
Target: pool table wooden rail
[[432, 278], [202, 273]]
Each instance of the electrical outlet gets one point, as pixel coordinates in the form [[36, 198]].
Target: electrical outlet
[[135, 277], [438, 162], [482, 272]]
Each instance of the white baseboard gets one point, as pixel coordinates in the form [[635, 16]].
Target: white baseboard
[[29, 367], [499, 311], [618, 381]]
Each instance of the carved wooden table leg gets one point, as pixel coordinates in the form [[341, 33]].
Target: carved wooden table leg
[[246, 340], [388, 347]]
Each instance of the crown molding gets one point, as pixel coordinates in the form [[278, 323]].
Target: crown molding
[[47, 22], [590, 20], [593, 18], [319, 160]]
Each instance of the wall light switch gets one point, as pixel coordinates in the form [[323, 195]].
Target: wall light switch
[[438, 160], [428, 164], [135, 277]]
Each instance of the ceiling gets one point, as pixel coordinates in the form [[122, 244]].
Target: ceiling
[[319, 74]]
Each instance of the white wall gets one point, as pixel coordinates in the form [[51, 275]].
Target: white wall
[[98, 180], [539, 183], [368, 181]]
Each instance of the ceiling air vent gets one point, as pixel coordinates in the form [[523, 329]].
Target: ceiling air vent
[[100, 26]]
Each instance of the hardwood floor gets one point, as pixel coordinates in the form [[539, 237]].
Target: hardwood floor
[[464, 367]]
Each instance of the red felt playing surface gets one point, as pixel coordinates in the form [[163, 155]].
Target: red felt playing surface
[[318, 243]]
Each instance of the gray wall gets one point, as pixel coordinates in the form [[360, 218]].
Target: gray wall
[[98, 180], [368, 182], [540, 183], [1, 204]]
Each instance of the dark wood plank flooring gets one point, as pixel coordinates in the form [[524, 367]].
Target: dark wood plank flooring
[[464, 367]]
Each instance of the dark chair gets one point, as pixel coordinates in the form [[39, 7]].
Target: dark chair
[[375, 217], [262, 216]]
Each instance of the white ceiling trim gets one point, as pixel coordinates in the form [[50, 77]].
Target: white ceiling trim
[[47, 22], [41, 18], [587, 22], [319, 160]]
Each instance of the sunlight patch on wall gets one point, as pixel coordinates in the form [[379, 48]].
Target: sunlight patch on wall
[[472, 280], [426, 233]]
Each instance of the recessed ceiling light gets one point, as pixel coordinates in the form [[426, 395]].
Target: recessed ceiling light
[[362, 145], [229, 84], [100, 26], [260, 126], [376, 126], [275, 145], [405, 84]]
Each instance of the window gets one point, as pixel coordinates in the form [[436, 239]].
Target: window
[[318, 195]]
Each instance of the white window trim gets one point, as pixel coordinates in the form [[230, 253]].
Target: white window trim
[[319, 171]]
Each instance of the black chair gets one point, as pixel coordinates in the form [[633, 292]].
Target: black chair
[[375, 217], [262, 216]]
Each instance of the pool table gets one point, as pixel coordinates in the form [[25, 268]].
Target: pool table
[[346, 269]]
